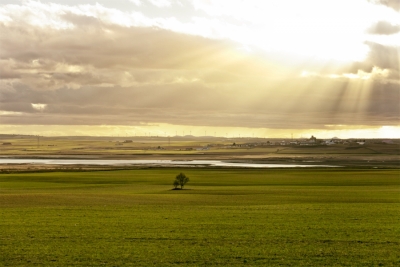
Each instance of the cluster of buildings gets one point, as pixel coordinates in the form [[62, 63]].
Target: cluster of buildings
[[312, 141]]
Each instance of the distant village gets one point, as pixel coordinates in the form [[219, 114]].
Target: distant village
[[312, 141], [240, 143]]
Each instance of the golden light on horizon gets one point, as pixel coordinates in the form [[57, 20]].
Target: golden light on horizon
[[167, 130]]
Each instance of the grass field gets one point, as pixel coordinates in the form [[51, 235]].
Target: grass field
[[226, 217]]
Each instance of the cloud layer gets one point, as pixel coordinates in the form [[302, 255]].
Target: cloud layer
[[92, 65]]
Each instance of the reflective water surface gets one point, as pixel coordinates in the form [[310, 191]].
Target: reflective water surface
[[128, 162]]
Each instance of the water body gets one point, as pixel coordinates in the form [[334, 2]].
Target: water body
[[134, 162]]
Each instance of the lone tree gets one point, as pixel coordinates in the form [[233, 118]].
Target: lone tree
[[180, 180]]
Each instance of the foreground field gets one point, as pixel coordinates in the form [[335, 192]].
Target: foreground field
[[225, 218]]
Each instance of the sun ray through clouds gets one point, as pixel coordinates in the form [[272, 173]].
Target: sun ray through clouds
[[264, 67]]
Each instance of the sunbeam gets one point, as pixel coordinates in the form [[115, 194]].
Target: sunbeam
[[263, 68]]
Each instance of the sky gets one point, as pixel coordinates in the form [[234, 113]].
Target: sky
[[262, 68]]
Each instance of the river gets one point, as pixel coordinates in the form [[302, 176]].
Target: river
[[129, 162]]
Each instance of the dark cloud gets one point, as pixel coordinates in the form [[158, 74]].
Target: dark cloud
[[380, 57], [299, 104], [8, 74], [119, 55], [395, 4], [384, 28], [385, 57]]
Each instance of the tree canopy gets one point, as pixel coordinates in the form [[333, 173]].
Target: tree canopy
[[180, 180]]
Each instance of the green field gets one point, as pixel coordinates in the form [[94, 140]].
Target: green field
[[225, 217]]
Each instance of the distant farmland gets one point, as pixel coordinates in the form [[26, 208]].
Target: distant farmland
[[371, 153]]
